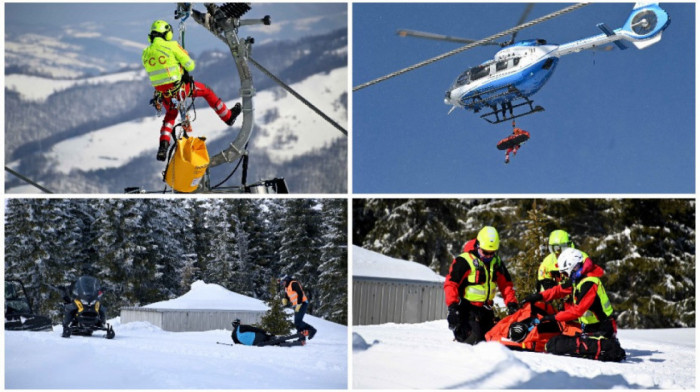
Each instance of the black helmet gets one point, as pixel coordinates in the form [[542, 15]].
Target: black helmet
[[517, 332], [236, 322]]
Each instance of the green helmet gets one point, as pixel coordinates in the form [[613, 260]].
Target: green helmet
[[558, 241], [161, 28], [488, 239]]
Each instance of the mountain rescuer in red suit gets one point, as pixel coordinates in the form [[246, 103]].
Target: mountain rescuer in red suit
[[294, 296], [168, 66], [470, 287], [591, 307]]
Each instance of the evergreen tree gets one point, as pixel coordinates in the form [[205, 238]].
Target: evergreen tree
[[275, 320], [332, 283]]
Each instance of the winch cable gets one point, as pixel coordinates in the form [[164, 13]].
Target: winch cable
[[27, 180], [297, 96]]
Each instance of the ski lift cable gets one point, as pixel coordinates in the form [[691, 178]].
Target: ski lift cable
[[473, 45], [21, 177], [298, 96]]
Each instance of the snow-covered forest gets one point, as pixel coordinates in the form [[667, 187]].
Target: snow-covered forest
[[646, 246], [150, 250]]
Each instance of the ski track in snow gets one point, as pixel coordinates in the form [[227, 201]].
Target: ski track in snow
[[423, 356], [142, 356]]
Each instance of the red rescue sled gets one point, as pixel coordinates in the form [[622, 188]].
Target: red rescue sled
[[536, 335], [513, 140]]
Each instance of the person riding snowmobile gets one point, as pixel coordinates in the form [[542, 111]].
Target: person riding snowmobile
[[168, 66], [470, 287], [591, 306], [252, 336]]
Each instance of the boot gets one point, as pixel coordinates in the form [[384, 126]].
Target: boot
[[235, 111], [162, 150], [66, 332], [312, 332]]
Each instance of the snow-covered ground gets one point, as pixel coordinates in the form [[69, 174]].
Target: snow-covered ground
[[142, 356], [37, 88], [295, 131], [423, 356], [376, 265]]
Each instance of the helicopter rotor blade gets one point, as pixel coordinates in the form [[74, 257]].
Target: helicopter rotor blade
[[524, 15], [437, 37]]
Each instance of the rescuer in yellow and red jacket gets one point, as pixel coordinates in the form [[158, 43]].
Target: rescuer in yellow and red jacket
[[591, 307], [294, 295], [168, 66], [470, 287]]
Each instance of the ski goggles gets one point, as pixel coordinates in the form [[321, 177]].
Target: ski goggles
[[558, 248]]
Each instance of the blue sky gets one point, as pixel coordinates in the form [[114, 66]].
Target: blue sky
[[615, 122], [289, 20]]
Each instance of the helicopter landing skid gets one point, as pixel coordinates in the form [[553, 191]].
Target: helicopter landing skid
[[510, 116]]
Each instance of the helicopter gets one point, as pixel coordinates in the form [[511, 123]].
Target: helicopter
[[520, 69]]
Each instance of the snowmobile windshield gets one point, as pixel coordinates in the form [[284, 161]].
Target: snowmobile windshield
[[86, 289]]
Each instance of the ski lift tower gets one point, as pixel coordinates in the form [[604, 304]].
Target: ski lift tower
[[224, 22]]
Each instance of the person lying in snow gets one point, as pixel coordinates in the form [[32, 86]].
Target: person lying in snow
[[253, 336]]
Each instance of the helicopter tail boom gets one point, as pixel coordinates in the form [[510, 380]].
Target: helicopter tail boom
[[643, 28]]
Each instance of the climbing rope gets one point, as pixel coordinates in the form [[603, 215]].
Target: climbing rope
[[474, 44]]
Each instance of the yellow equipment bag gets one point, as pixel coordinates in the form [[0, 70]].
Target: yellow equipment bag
[[188, 164]]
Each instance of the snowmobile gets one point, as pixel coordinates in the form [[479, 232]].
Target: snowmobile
[[523, 331], [19, 315], [82, 309]]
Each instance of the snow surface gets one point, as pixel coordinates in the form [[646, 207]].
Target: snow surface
[[116, 145], [424, 356], [210, 296], [37, 88], [372, 264], [143, 356]]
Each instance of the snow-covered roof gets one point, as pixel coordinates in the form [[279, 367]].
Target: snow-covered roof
[[374, 265], [212, 297]]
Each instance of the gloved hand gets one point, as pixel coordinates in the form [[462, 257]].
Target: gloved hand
[[576, 275], [548, 318], [284, 301], [186, 78], [296, 308], [512, 307], [533, 298], [452, 317]]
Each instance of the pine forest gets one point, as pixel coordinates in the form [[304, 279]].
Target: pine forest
[[645, 246], [149, 250]]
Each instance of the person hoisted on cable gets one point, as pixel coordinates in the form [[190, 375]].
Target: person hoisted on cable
[[168, 66]]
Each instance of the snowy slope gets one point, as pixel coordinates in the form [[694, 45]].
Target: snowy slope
[[423, 356], [295, 131], [37, 88], [142, 356]]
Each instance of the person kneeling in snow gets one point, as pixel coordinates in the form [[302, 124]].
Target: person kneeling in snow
[[591, 307], [253, 336]]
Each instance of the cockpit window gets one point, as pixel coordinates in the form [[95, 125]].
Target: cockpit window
[[480, 72], [516, 61], [501, 65]]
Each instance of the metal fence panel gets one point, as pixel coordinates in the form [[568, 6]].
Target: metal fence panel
[[379, 301], [177, 320]]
